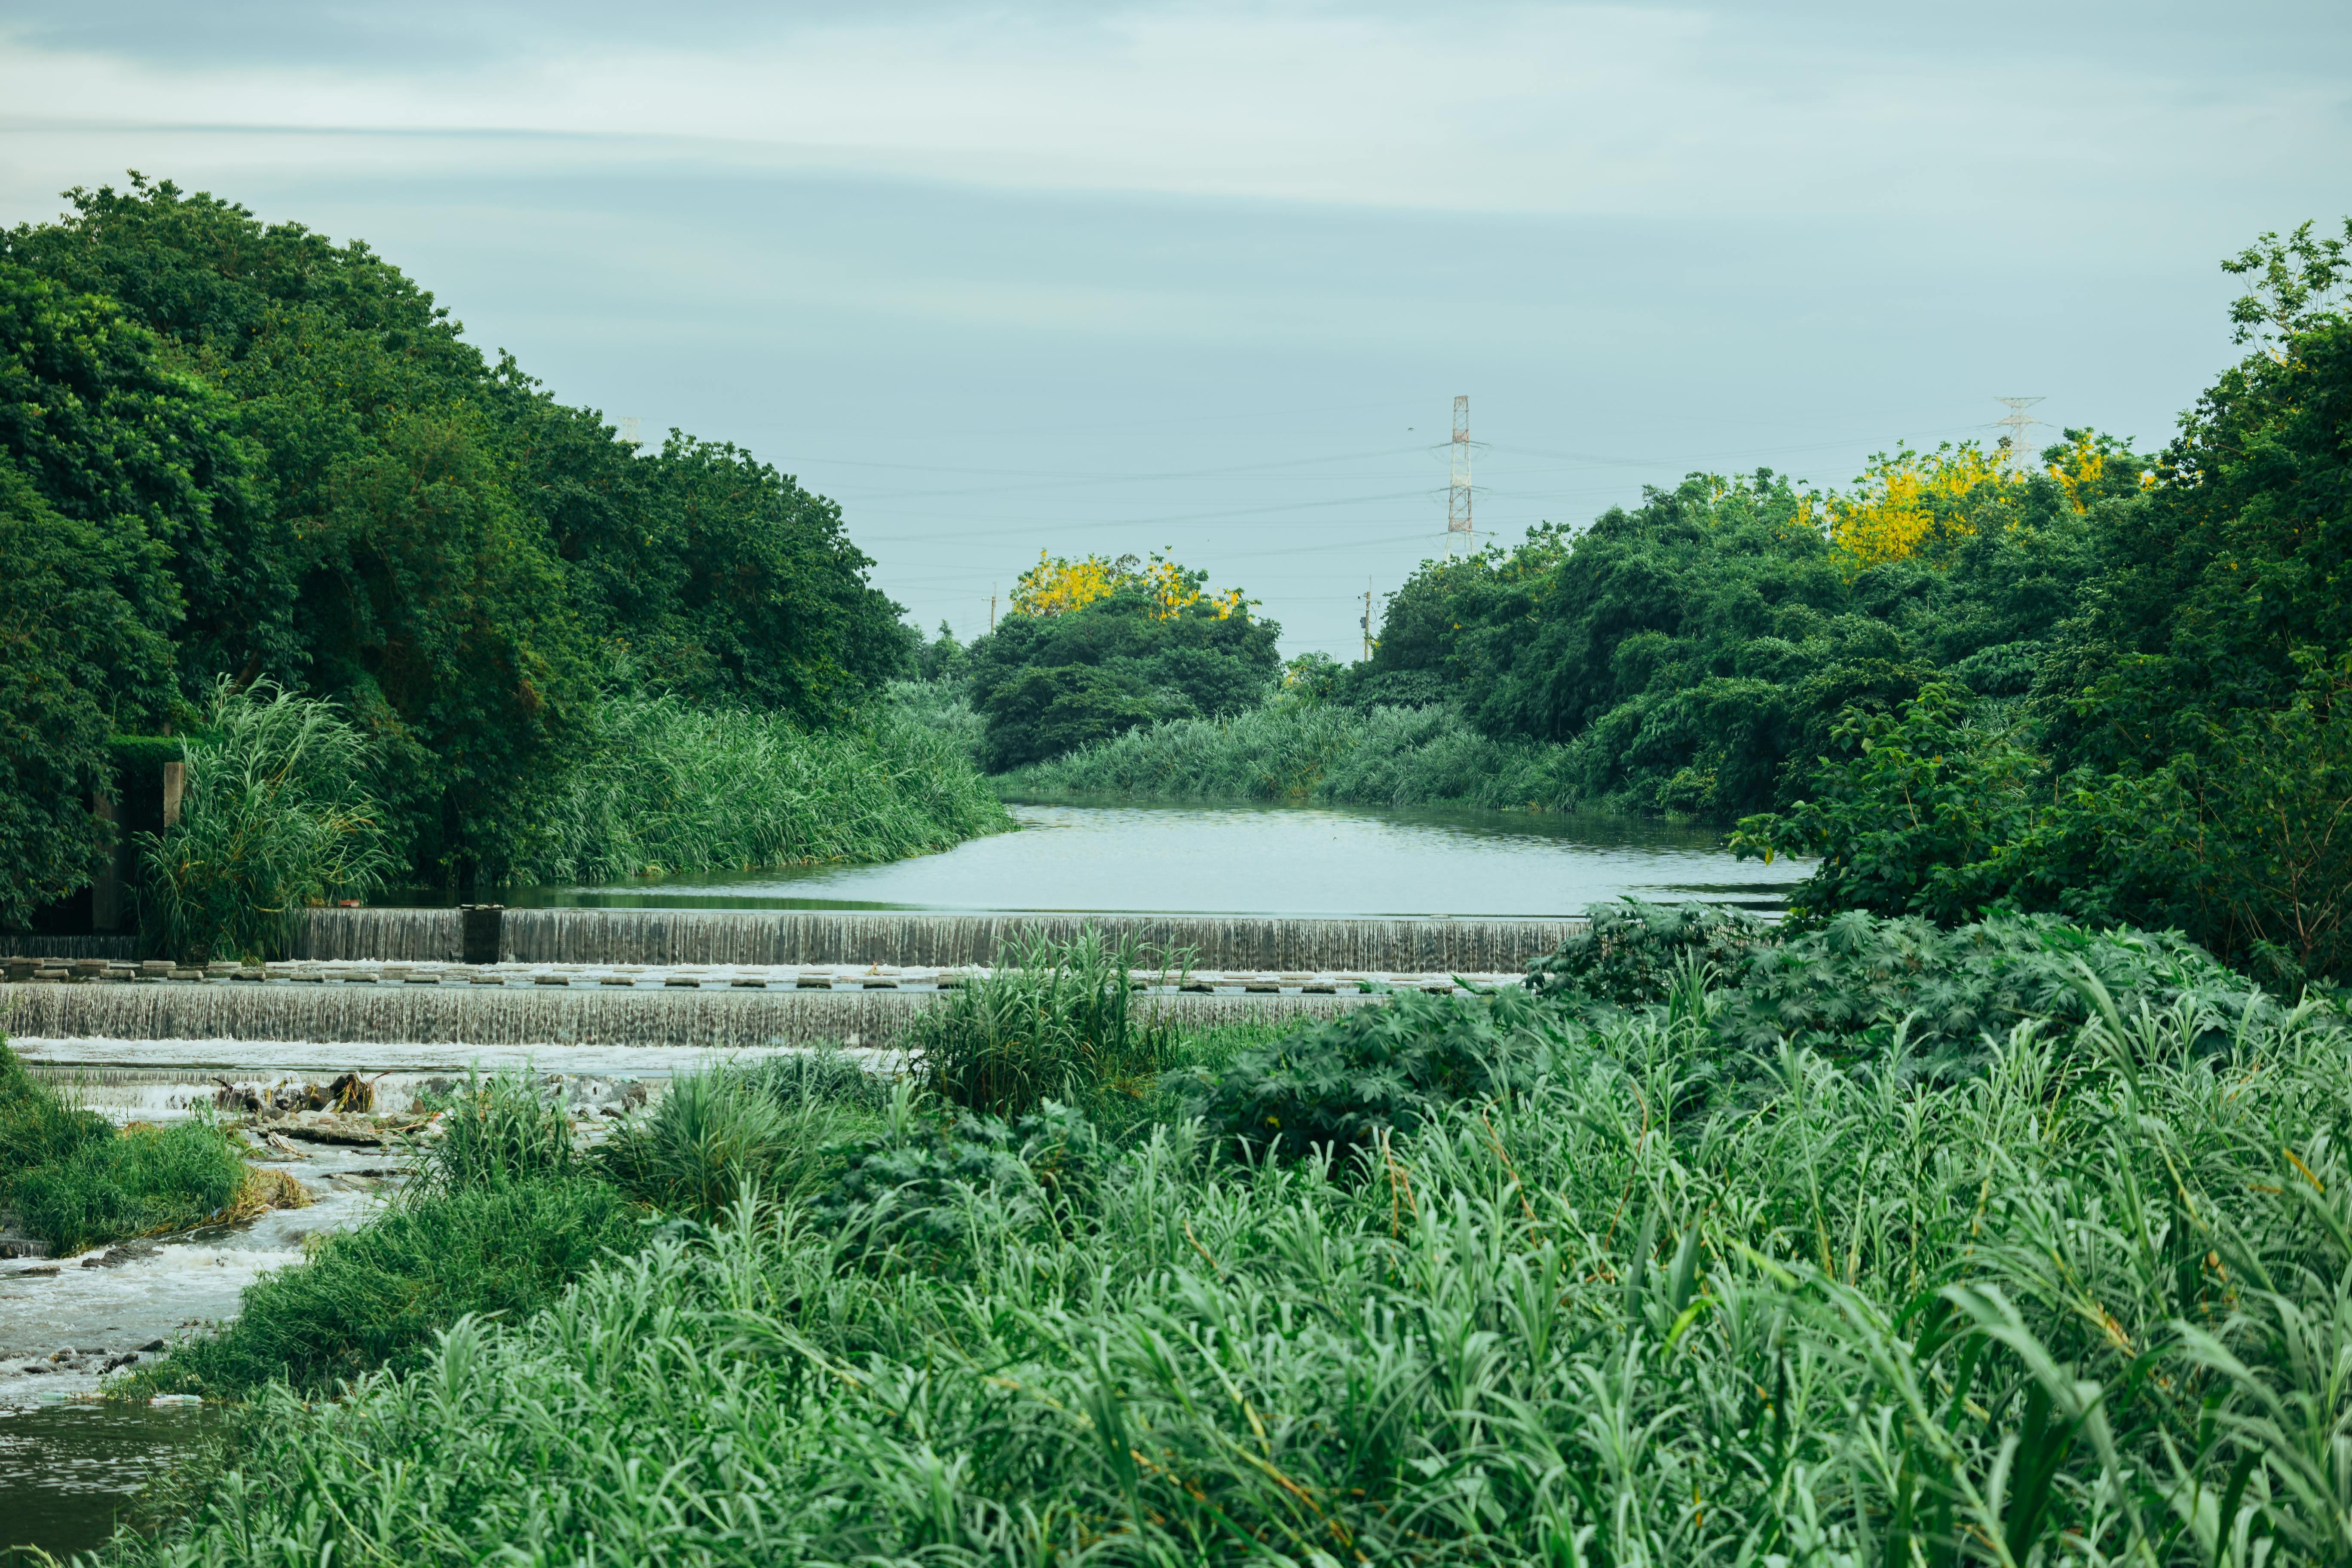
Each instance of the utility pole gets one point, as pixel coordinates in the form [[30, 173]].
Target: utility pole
[[1368, 618], [991, 609], [2018, 422], [1457, 498]]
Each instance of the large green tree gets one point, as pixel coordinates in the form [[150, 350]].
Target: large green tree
[[357, 504], [84, 616], [1048, 683]]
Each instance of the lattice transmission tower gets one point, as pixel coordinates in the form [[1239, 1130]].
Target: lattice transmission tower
[[1457, 498], [2018, 422]]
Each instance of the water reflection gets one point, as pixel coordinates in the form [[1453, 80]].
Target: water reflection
[[68, 1472], [1250, 859]]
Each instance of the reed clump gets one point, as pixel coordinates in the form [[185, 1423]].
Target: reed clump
[[1293, 750], [275, 818], [771, 1126], [1051, 1021], [665, 787]]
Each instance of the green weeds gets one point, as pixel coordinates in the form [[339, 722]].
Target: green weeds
[[1291, 751], [1051, 1020], [714, 1136], [74, 1181]]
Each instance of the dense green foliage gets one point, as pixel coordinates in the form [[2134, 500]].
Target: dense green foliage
[[82, 653], [74, 1181], [283, 453], [1344, 1083], [666, 786], [2084, 1305], [274, 818], [1048, 683], [1696, 653], [1633, 952]]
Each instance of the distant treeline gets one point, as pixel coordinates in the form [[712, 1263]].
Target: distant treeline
[[2092, 680], [230, 448]]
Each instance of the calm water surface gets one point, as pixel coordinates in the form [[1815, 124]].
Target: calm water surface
[[1251, 859]]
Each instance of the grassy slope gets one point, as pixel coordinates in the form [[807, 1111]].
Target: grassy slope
[[2098, 1289]]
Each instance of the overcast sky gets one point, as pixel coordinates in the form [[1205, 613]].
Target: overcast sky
[[1022, 277]]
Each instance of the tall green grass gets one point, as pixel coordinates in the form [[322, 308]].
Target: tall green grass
[[1051, 1020], [275, 816], [770, 1127], [1288, 750], [2093, 1305], [72, 1179], [668, 788]]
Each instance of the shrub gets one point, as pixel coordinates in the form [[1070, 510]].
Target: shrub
[[1381, 1066], [1631, 953], [275, 817]]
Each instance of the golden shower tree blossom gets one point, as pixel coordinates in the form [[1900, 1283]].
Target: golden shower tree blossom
[[1056, 585]]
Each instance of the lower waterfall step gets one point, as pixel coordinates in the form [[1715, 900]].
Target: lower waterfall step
[[703, 1018]]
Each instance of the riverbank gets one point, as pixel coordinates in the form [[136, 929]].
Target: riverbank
[[1299, 752]]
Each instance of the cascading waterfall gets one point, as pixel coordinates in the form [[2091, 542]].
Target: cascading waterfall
[[707, 1019], [806, 936], [410, 936], [111, 947]]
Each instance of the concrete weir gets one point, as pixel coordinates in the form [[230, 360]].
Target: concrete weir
[[715, 980], [454, 1015], [824, 936]]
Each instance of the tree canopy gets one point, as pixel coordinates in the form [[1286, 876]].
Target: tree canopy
[[303, 467]]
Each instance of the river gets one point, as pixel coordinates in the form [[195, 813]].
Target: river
[[1249, 860]]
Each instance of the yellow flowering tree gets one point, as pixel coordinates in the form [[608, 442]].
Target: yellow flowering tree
[[1056, 585], [1919, 504], [1909, 503]]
